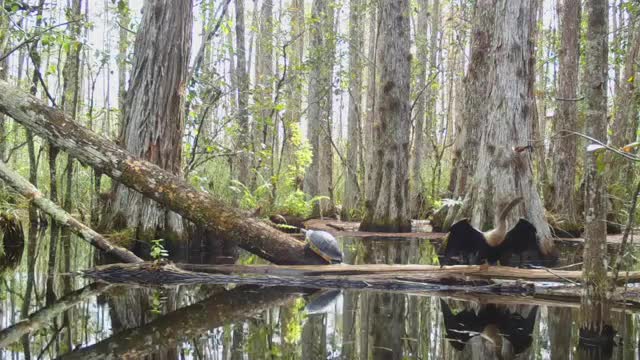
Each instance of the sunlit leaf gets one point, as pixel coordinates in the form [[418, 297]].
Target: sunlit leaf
[[594, 147]]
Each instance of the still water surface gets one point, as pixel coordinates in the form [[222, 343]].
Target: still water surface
[[248, 322]]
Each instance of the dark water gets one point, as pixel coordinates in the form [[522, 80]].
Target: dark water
[[247, 322]]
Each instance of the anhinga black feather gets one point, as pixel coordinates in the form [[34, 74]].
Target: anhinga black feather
[[468, 245]]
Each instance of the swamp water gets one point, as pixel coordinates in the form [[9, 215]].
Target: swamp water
[[248, 322]]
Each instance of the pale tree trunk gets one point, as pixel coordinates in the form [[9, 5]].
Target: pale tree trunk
[[356, 39], [594, 310], [564, 154], [432, 94], [503, 174], [71, 91], [263, 128], [367, 126], [154, 116], [319, 177], [387, 206], [478, 83], [4, 45], [419, 115], [295, 71], [124, 19], [242, 82], [625, 113]]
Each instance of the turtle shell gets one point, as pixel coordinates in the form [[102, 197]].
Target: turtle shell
[[325, 245]]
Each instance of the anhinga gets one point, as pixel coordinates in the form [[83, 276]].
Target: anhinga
[[468, 245]]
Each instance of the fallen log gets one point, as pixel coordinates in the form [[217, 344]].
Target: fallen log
[[383, 270], [43, 316], [152, 181], [187, 323], [409, 279], [26, 189]]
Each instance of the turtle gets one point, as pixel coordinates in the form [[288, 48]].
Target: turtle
[[323, 244]]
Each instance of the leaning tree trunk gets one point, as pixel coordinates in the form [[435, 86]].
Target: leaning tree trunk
[[319, 177], [387, 205], [478, 85], [502, 173], [594, 310], [153, 116], [356, 35], [564, 154], [152, 181]]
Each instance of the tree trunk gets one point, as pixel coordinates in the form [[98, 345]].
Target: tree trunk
[[243, 164], [152, 181], [319, 177], [4, 45], [625, 117], [124, 20], [478, 86], [594, 312], [564, 154], [154, 117], [367, 126], [387, 205], [419, 115], [296, 77], [263, 128], [502, 173], [356, 42]]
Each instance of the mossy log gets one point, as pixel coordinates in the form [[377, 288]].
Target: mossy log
[[26, 189], [152, 181]]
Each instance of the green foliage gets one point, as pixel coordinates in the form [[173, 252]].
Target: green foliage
[[298, 203], [158, 252], [258, 198]]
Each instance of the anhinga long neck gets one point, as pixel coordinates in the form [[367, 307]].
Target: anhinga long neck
[[496, 236]]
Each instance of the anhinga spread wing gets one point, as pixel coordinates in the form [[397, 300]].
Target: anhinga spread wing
[[521, 240], [468, 245], [465, 245]]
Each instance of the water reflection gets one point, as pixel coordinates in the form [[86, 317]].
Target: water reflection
[[247, 322]]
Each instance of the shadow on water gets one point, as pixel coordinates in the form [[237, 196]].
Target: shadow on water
[[248, 322]]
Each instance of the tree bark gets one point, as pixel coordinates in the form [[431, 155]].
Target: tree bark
[[263, 127], [594, 310], [124, 19], [154, 117], [319, 176], [243, 162], [502, 173], [478, 86], [564, 154], [387, 205], [419, 115], [356, 42], [625, 109], [152, 181]]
